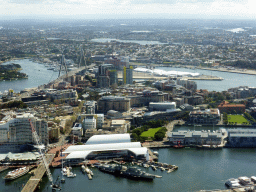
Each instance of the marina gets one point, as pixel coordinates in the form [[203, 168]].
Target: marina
[[198, 170]]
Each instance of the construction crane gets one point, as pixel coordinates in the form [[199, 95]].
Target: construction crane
[[42, 158]]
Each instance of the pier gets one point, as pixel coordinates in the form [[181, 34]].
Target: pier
[[39, 172], [205, 78]]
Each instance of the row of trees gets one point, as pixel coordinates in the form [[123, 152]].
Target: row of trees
[[225, 118], [13, 104], [249, 117]]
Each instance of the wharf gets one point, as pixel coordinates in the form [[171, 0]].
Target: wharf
[[33, 182], [204, 77], [155, 144], [59, 155]]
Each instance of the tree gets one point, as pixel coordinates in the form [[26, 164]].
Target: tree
[[135, 137], [159, 136]]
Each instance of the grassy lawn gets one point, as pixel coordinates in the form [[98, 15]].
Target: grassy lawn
[[150, 132], [239, 119]]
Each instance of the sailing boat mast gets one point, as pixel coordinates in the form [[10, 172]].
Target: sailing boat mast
[[62, 179]]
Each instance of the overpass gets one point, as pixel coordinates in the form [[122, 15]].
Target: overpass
[[39, 172]]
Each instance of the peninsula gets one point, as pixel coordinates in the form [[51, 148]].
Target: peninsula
[[11, 72]]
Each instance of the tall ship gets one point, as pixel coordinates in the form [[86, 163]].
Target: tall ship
[[11, 175]]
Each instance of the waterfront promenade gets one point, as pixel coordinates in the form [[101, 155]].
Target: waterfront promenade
[[39, 172]]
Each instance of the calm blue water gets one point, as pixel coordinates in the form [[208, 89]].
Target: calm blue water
[[37, 75], [230, 79], [198, 169]]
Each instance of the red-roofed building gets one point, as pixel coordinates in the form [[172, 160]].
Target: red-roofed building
[[230, 108]]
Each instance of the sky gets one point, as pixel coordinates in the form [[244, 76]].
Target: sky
[[127, 9]]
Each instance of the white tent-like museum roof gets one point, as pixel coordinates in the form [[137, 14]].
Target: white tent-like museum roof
[[113, 142], [100, 147], [84, 154], [112, 138]]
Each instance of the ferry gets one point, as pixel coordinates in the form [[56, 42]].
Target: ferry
[[11, 175]]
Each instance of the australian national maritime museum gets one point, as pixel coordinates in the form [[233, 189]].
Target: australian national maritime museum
[[100, 147]]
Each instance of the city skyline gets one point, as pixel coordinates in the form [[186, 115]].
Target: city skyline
[[128, 9]]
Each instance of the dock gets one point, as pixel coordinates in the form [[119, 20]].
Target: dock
[[39, 172]]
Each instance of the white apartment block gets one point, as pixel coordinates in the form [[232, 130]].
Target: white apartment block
[[89, 122], [17, 129]]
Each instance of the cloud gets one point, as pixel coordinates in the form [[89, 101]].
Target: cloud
[[26, 1], [198, 8]]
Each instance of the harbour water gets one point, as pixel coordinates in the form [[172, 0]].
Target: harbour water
[[229, 79], [198, 169], [37, 75]]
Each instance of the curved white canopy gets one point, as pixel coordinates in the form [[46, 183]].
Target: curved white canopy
[[100, 147], [111, 138]]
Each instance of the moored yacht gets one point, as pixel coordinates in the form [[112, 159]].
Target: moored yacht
[[232, 183]]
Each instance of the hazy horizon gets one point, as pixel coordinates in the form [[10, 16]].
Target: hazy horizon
[[127, 9]]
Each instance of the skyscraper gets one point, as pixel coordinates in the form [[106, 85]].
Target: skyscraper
[[128, 75]]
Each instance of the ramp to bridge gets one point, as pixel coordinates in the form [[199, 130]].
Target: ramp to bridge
[[34, 180]]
